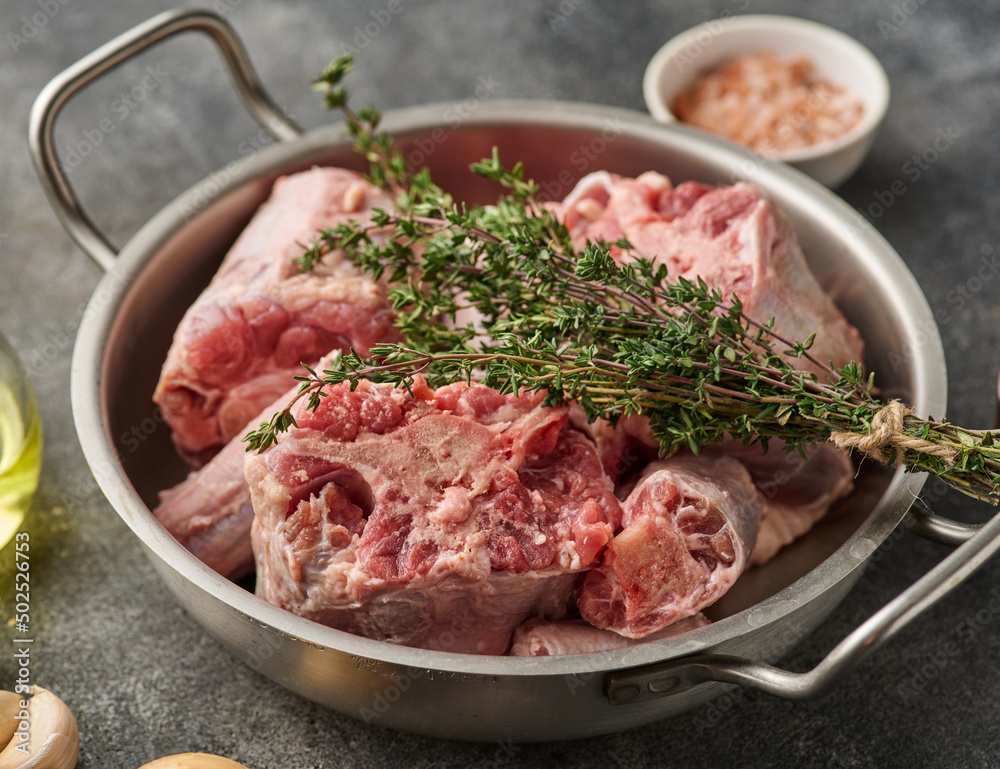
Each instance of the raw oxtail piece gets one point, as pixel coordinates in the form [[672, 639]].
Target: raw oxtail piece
[[241, 342], [539, 638], [440, 519], [731, 237], [210, 513], [797, 488], [689, 528]]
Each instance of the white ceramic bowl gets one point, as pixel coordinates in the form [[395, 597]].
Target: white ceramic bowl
[[835, 56]]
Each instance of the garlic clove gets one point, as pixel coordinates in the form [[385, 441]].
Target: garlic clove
[[50, 741], [193, 761], [10, 706]]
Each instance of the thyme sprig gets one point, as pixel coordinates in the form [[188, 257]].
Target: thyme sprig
[[616, 338], [387, 168]]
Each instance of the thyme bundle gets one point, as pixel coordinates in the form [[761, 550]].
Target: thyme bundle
[[618, 339]]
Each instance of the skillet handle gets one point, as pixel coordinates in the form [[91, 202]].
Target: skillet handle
[[920, 520], [673, 677], [52, 98]]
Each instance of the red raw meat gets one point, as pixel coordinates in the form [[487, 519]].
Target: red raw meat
[[210, 513], [540, 638], [731, 237], [689, 527], [440, 520], [239, 345], [796, 489], [735, 240]]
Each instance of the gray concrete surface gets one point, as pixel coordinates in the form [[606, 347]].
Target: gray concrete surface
[[145, 680]]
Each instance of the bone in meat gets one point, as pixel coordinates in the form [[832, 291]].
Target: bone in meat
[[240, 343], [440, 521], [731, 237], [689, 527]]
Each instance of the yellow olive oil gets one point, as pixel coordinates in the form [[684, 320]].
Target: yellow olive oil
[[20, 459]]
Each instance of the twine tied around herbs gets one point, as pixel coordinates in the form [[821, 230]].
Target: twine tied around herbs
[[887, 434]]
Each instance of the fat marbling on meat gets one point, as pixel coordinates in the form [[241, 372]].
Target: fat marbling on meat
[[440, 520], [689, 526], [732, 237], [241, 342]]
